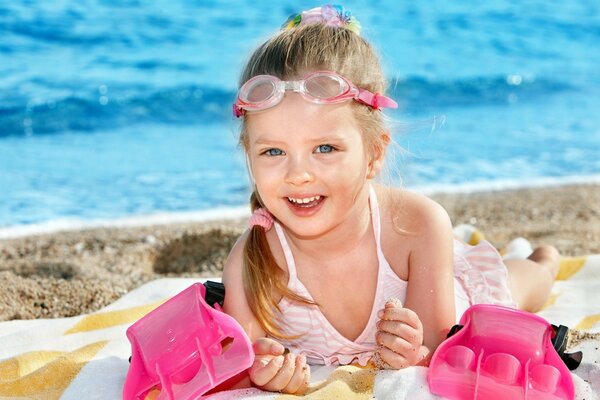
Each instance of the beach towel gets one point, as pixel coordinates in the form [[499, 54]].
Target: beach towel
[[86, 357]]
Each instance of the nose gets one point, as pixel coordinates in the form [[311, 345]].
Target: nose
[[298, 171]]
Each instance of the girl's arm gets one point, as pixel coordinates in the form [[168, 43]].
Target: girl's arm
[[410, 332], [430, 290], [272, 369]]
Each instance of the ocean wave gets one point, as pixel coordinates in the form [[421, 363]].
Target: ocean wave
[[418, 93], [176, 106], [507, 184], [197, 104]]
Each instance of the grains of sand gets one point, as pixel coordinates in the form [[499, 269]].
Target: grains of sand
[[69, 273], [577, 337]]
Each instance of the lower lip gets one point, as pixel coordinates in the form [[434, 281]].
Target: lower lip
[[304, 210]]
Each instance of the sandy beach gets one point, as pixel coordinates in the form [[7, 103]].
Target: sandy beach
[[70, 273]]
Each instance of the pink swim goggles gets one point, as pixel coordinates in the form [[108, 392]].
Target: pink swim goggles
[[320, 87]]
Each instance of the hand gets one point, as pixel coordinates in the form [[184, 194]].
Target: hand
[[400, 335], [275, 371]]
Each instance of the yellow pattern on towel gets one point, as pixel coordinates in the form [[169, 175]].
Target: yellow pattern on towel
[[103, 320], [588, 322], [569, 266], [27, 376]]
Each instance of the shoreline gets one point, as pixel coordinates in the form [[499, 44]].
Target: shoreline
[[242, 211], [66, 273]]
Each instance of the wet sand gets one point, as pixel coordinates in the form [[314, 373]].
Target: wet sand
[[70, 273]]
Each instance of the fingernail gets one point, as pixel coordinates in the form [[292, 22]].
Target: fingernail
[[277, 348], [393, 302], [278, 361], [302, 359], [263, 362]]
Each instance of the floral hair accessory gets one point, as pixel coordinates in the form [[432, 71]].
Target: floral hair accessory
[[261, 217], [330, 15]]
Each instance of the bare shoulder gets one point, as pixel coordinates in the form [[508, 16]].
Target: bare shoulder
[[411, 223], [412, 214]]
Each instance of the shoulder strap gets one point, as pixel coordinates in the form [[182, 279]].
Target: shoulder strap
[[287, 252]]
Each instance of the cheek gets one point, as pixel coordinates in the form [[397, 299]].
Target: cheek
[[354, 166], [266, 181]]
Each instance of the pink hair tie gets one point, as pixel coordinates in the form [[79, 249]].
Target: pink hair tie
[[261, 217]]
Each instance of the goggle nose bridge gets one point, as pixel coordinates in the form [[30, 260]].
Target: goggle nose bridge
[[295, 86]]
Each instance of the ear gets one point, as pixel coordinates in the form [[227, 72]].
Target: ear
[[376, 164]]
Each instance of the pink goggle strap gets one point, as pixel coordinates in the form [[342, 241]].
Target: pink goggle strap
[[376, 101]]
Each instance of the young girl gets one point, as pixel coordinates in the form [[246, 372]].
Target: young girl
[[327, 248]]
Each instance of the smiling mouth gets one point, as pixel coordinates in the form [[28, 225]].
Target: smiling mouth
[[306, 202]]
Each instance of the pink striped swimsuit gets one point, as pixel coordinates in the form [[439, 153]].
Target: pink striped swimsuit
[[321, 343]]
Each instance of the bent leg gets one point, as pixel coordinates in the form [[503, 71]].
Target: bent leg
[[530, 280]]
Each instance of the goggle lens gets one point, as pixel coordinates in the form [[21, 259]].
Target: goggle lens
[[325, 87], [258, 91]]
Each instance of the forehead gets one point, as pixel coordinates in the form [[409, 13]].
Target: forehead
[[294, 117]]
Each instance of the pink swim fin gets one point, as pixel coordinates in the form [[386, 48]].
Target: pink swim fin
[[184, 348]]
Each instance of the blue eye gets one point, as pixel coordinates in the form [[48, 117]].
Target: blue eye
[[274, 152], [324, 148]]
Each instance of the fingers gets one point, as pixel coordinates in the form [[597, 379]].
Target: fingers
[[398, 345], [402, 330], [267, 362], [300, 379], [293, 376], [268, 346], [405, 315], [283, 377], [400, 335], [393, 360], [264, 369], [287, 374]]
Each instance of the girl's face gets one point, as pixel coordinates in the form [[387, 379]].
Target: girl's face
[[309, 164]]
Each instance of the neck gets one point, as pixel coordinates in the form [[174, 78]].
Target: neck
[[342, 239]]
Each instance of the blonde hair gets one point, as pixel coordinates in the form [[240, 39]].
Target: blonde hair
[[288, 54]]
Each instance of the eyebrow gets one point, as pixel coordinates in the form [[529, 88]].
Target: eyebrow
[[328, 138], [261, 142]]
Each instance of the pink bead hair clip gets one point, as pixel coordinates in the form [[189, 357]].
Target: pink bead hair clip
[[330, 15]]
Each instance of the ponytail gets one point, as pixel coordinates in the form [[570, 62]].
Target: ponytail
[[264, 281]]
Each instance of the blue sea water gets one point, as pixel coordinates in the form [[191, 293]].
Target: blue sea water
[[121, 109]]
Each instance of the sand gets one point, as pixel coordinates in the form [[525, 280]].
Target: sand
[[70, 273]]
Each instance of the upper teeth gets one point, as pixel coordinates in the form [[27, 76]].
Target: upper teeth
[[305, 200]]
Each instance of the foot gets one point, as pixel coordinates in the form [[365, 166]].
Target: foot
[[547, 256]]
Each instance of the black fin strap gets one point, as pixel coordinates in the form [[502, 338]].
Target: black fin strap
[[560, 339], [453, 330], [215, 293]]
